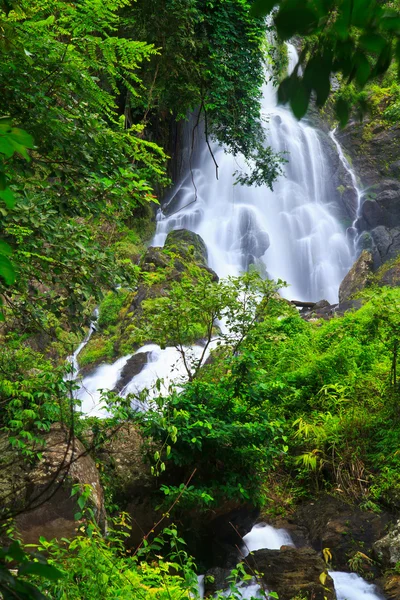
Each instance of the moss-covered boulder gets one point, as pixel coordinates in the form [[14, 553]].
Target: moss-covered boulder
[[42, 497], [188, 244]]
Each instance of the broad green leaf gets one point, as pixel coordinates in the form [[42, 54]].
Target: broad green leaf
[[363, 70], [391, 24], [43, 570], [8, 197], [6, 147], [261, 8], [372, 42], [297, 20], [5, 249], [342, 110], [7, 271], [300, 99], [3, 181], [22, 137]]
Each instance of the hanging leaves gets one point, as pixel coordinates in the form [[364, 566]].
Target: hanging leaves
[[350, 38]]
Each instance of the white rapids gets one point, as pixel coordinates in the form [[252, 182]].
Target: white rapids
[[350, 586], [290, 231]]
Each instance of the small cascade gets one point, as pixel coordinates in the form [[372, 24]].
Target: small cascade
[[73, 359], [350, 586], [352, 231], [290, 232], [265, 536], [165, 365]]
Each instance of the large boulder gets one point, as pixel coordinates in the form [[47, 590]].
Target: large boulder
[[293, 572], [357, 278], [386, 244], [387, 549], [381, 206], [134, 365], [48, 509], [123, 456], [373, 150], [188, 244], [341, 527]]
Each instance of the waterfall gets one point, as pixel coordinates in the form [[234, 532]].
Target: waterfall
[[289, 232]]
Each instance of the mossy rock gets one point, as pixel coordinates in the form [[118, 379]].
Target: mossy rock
[[111, 308], [187, 244], [97, 350]]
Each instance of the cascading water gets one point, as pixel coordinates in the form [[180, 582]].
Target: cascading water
[[352, 231], [290, 231], [348, 586]]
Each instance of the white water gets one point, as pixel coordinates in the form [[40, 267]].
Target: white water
[[265, 536], [165, 365], [290, 232], [350, 586], [73, 359], [353, 234]]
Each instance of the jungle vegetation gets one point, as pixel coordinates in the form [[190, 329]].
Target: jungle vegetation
[[91, 90]]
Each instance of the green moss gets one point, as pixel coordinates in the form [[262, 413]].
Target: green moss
[[341, 189], [111, 308], [97, 350]]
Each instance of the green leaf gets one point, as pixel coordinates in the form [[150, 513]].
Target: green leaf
[[3, 181], [391, 24], [297, 20], [43, 570], [7, 271], [8, 197], [261, 8], [300, 99], [342, 110], [363, 70], [373, 42], [5, 249], [6, 146]]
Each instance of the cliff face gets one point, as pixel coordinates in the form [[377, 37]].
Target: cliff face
[[374, 150]]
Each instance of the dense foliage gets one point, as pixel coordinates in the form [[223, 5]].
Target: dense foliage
[[92, 95], [354, 40]]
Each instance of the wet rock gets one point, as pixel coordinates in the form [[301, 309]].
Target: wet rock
[[384, 207], [387, 549], [216, 541], [391, 586], [342, 528], [154, 258], [357, 278], [297, 532], [48, 489], [133, 367], [293, 572], [343, 308], [375, 156], [386, 244], [123, 456], [216, 579]]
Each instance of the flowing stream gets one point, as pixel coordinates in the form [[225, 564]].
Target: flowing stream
[[290, 233], [348, 586]]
